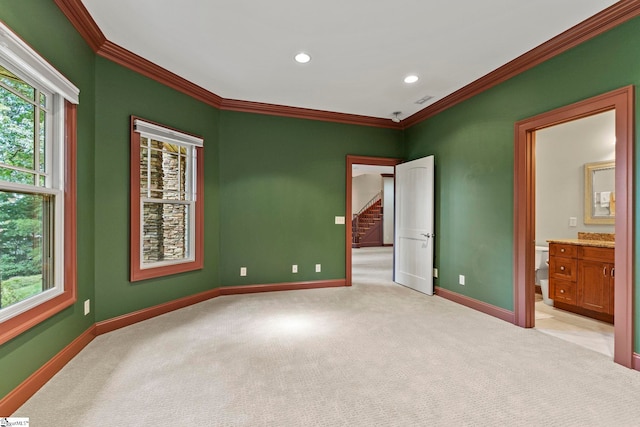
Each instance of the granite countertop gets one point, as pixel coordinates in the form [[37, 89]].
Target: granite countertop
[[585, 242]]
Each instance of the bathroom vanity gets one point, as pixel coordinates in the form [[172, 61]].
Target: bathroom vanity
[[581, 276]]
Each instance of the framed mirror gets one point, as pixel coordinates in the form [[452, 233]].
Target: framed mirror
[[599, 193]]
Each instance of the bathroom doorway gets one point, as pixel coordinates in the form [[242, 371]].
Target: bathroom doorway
[[622, 102], [563, 214]]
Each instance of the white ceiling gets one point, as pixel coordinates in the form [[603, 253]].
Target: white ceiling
[[361, 49]]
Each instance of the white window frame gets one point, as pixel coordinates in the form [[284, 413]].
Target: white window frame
[[25, 63]]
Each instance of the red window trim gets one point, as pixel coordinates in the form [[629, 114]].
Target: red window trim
[[16, 325], [136, 272]]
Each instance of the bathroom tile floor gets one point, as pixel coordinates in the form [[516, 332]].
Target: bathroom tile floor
[[586, 332]]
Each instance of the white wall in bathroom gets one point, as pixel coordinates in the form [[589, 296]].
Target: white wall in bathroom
[[561, 152]]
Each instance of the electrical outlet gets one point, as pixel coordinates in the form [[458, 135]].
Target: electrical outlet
[[461, 279], [435, 273], [294, 268], [318, 268], [243, 271], [87, 307]]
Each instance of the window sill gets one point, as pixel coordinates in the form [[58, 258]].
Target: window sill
[[13, 327]]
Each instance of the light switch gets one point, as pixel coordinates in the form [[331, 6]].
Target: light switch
[[573, 221], [339, 220]]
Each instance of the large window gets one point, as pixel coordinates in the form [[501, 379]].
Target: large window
[[37, 188], [166, 201]]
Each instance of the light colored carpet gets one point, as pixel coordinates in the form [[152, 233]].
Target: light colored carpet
[[375, 354]]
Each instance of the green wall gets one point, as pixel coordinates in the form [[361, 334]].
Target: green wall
[[473, 147], [272, 188], [282, 182], [121, 93], [45, 28], [273, 185]]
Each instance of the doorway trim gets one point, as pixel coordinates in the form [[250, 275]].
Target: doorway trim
[[357, 160], [622, 101]]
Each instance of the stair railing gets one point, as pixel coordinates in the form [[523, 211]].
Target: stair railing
[[355, 220]]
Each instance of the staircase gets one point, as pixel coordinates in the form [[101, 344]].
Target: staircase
[[366, 225]]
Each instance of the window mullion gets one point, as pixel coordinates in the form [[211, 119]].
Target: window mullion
[[148, 168], [18, 94], [36, 139]]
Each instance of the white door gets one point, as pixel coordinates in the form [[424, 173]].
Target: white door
[[413, 246]]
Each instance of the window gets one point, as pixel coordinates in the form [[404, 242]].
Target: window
[[166, 201], [37, 188]]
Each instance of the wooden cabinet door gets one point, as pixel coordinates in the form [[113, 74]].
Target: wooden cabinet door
[[594, 286]]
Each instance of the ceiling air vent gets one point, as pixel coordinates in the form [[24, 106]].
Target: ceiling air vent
[[424, 99]]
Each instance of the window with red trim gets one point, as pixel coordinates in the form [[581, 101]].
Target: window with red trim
[[37, 188], [166, 200]]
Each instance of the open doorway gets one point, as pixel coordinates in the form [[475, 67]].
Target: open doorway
[[380, 252], [622, 102], [575, 161]]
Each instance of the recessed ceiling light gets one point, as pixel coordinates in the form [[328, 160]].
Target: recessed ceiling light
[[303, 58], [411, 78]]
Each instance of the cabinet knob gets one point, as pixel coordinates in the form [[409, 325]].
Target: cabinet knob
[[562, 268], [562, 291], [561, 250]]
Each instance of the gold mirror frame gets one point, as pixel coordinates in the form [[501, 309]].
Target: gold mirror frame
[[590, 170]]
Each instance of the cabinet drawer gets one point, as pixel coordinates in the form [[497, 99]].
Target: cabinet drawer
[[564, 291], [563, 268], [564, 250], [597, 254]]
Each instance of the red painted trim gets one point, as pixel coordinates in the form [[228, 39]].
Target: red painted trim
[[607, 19], [306, 113], [148, 313], [357, 160], [80, 18], [13, 327], [128, 59], [235, 290], [18, 396], [137, 273], [622, 100], [491, 310], [615, 15]]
